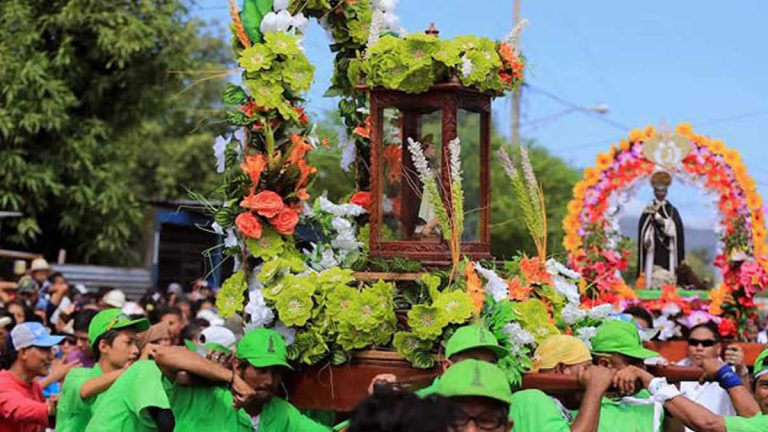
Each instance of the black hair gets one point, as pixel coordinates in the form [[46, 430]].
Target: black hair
[[393, 409], [709, 325], [189, 330], [83, 319], [640, 312], [55, 275], [29, 313], [8, 355], [170, 310], [109, 337]]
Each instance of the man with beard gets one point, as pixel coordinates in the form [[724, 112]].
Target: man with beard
[[112, 338], [262, 361], [22, 406]]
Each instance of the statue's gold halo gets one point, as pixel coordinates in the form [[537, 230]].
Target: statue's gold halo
[[667, 151]]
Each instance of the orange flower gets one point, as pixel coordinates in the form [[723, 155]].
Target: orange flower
[[249, 225], [754, 201], [474, 289], [364, 131], [716, 297], [603, 161], [517, 291], [650, 131], [717, 146], [393, 156], [623, 291], [579, 190], [507, 53], [326, 143], [363, 199], [684, 129], [253, 166], [636, 135], [624, 145], [285, 221], [732, 157], [535, 271], [299, 149], [266, 203], [591, 175], [302, 194], [305, 170], [572, 242]]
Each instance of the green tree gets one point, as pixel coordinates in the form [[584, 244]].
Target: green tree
[[87, 88]]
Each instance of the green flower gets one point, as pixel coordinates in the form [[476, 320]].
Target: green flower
[[256, 58], [269, 246], [294, 305], [270, 269], [535, 319], [383, 333], [421, 47], [271, 291], [432, 283], [231, 297], [417, 79], [367, 312], [309, 347], [384, 294], [335, 276], [298, 74], [426, 321], [359, 28], [282, 43], [265, 94], [455, 305], [341, 301], [351, 337], [449, 54], [406, 343]]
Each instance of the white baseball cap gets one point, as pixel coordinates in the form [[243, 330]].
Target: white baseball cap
[[115, 298], [216, 337], [39, 264], [33, 334]]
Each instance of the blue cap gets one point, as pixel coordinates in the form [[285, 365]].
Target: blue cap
[[33, 334]]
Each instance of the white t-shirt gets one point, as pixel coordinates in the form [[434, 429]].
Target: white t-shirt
[[710, 395], [255, 422]]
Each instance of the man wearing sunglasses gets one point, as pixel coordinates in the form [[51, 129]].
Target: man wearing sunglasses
[[481, 394]]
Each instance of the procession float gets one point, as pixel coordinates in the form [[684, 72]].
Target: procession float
[[377, 282]]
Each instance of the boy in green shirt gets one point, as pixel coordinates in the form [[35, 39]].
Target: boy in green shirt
[[481, 395], [112, 339], [760, 381], [262, 360]]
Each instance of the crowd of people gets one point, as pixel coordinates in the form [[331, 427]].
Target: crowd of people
[[73, 361]]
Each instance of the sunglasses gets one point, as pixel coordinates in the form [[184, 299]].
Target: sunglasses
[[706, 343], [486, 422]]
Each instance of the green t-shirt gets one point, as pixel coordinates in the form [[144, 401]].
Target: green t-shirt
[[280, 416], [123, 408], [758, 423], [73, 413], [616, 415], [534, 411], [203, 408]]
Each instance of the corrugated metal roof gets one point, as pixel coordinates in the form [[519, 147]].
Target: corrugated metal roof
[[132, 281]]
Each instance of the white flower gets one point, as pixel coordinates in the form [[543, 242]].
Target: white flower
[[586, 334], [385, 5], [567, 289], [572, 314], [231, 239], [276, 22], [237, 264], [377, 23], [261, 315], [670, 309], [343, 210], [219, 150], [279, 5], [419, 160], [513, 38], [495, 286], [386, 205], [340, 224], [455, 149], [518, 336], [667, 328], [466, 66], [600, 312], [327, 258], [554, 268], [288, 333], [240, 136], [346, 241], [299, 22], [347, 153], [217, 228]]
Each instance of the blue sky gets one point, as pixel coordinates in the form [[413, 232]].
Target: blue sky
[[651, 62]]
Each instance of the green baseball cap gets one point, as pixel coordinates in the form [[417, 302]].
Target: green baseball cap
[[761, 364], [620, 337], [475, 378], [470, 337], [113, 319], [263, 347]]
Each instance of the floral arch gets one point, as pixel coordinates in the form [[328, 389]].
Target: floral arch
[[591, 234]]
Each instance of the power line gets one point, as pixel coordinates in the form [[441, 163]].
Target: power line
[[615, 124]]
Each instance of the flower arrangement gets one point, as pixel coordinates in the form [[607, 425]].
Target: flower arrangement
[[714, 168]]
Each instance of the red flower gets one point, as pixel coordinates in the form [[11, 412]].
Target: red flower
[[302, 115], [285, 221], [249, 225], [266, 203], [299, 149], [364, 131], [253, 166], [363, 199], [727, 328]]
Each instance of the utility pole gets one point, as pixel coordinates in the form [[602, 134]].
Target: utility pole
[[515, 135]]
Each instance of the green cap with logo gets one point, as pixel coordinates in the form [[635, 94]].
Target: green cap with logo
[[761, 364], [113, 319], [263, 347], [620, 337], [471, 337], [475, 378]]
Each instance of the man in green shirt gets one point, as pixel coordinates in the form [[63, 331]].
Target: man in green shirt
[[617, 345], [481, 395], [760, 381], [262, 360], [535, 411], [112, 338]]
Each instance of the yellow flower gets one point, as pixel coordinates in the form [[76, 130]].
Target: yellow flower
[[717, 146], [591, 175], [572, 242], [748, 183], [636, 135], [575, 207], [603, 161], [624, 145], [571, 224], [754, 201], [684, 129], [650, 132], [717, 297], [580, 190], [732, 157]]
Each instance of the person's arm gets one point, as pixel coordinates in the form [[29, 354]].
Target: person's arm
[[99, 384], [163, 418], [18, 409], [595, 381], [741, 398], [59, 370]]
